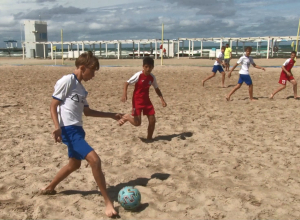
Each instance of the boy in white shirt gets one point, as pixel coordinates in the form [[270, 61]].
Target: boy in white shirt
[[218, 67], [68, 104], [245, 60]]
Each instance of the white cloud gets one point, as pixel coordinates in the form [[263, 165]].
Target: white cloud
[[7, 21], [96, 26], [125, 19]]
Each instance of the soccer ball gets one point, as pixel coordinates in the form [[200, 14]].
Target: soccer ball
[[129, 198]]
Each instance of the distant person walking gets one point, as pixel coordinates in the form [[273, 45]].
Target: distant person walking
[[227, 57]]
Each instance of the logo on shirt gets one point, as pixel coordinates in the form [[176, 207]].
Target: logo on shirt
[[75, 98]]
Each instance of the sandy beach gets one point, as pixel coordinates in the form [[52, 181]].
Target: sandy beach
[[211, 159]]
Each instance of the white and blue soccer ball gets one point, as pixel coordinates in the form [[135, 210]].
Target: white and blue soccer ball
[[129, 198]]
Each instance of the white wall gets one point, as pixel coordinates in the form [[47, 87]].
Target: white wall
[[35, 31]]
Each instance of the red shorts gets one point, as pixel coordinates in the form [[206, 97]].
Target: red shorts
[[147, 110], [284, 77]]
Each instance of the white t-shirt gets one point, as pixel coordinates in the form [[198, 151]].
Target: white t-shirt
[[220, 57], [245, 61], [72, 95]]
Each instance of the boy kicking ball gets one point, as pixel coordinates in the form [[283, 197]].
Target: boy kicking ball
[[140, 100], [219, 63], [245, 60], [286, 75], [67, 106]]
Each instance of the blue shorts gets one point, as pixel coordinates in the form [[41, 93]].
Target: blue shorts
[[216, 68], [73, 137], [245, 78]]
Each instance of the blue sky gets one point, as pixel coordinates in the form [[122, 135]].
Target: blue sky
[[140, 19]]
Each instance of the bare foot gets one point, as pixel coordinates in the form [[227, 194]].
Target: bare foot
[[123, 120], [271, 96], [227, 98], [297, 97], [47, 192], [203, 82], [110, 210]]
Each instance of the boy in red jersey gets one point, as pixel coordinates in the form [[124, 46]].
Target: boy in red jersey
[[286, 75], [140, 100]]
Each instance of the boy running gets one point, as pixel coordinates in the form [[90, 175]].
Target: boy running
[[286, 75], [140, 100], [245, 60], [68, 104], [218, 67]]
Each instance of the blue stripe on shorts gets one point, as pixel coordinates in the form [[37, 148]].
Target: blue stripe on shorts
[[245, 78], [216, 68], [73, 137]]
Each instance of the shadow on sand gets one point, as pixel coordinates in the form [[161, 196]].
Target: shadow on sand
[[182, 136], [114, 190]]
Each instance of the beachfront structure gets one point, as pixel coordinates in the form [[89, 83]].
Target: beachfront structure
[[272, 42], [10, 44], [35, 36], [170, 45]]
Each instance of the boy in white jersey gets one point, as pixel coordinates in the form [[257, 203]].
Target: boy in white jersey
[[218, 67], [245, 60], [68, 104]]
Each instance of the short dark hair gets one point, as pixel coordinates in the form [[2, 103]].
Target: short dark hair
[[88, 60], [294, 52], [148, 61], [248, 48], [227, 44], [223, 47]]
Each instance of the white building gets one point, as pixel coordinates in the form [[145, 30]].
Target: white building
[[35, 31]]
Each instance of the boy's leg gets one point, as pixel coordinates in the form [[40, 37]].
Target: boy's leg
[[223, 79], [95, 163], [251, 92], [233, 91], [134, 120], [151, 126], [277, 90], [209, 77], [73, 165], [294, 82]]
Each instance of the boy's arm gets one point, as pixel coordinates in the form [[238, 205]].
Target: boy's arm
[[287, 72], [158, 92], [258, 67], [229, 74], [93, 113], [218, 60], [124, 96], [56, 134]]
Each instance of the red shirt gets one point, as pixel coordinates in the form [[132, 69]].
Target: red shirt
[[140, 98], [288, 64]]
